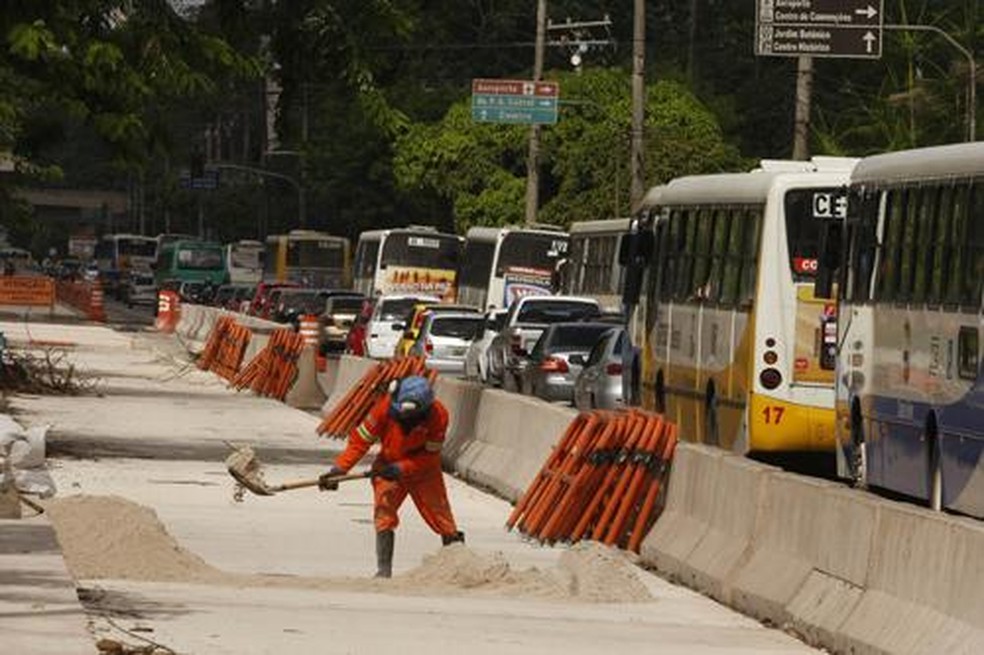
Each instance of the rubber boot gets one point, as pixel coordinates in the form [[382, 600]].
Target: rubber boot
[[448, 539], [384, 553]]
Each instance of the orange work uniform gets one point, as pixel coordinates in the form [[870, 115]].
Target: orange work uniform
[[417, 452]]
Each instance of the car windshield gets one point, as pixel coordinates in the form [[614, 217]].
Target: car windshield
[[575, 338], [345, 305], [556, 311], [396, 309], [460, 327]]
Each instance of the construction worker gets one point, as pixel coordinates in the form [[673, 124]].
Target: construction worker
[[409, 425]]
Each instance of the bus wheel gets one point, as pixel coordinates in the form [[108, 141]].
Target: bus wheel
[[935, 469], [711, 416], [856, 462], [660, 393]]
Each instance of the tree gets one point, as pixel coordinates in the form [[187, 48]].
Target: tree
[[480, 167]]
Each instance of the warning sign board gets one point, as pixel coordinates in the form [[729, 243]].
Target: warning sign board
[[22, 290]]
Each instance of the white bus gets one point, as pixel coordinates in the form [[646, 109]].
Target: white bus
[[244, 261], [910, 390], [501, 264], [593, 266], [116, 254], [736, 352], [411, 260]]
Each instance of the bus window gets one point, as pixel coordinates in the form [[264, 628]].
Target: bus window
[[365, 258], [943, 250], [974, 269], [888, 270], [476, 265], [315, 253], [719, 254], [535, 251], [749, 267], [199, 258], [421, 251], [925, 228]]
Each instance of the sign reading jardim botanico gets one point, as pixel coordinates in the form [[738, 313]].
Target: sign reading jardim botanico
[[819, 28]]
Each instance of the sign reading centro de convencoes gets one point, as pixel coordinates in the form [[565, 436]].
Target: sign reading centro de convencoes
[[819, 28], [514, 101]]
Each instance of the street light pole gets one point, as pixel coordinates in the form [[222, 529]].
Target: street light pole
[[971, 70], [278, 176], [301, 192]]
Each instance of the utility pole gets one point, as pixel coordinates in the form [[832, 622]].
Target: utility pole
[[638, 186], [532, 159], [804, 96]]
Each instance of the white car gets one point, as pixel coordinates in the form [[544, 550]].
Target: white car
[[444, 339], [476, 359], [386, 325], [138, 288]]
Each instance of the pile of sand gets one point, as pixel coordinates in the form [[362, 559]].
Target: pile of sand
[[111, 537], [588, 572]]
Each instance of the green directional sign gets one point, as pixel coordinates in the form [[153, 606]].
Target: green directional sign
[[514, 101]]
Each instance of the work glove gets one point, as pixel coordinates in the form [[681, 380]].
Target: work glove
[[325, 481], [389, 472]]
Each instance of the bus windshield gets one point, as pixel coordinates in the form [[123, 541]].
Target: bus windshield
[[536, 251], [199, 258], [137, 247], [315, 253], [429, 250], [249, 256], [807, 210]]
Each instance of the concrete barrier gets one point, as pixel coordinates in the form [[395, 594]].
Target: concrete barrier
[[924, 589], [513, 437], [686, 517], [350, 370], [739, 489], [462, 399], [305, 392]]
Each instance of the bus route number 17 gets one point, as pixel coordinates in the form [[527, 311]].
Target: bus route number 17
[[773, 415]]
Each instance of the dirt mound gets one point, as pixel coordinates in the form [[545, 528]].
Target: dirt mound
[[587, 572], [111, 537]]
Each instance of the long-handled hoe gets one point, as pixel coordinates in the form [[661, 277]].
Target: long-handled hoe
[[245, 467]]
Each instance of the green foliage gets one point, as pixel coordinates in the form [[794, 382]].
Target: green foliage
[[481, 167]]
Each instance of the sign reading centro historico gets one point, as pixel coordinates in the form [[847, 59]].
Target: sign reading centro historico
[[819, 28], [514, 101]]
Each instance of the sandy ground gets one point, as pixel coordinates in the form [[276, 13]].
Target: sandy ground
[[161, 551]]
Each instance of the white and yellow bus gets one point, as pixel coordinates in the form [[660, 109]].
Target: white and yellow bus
[[412, 260], [738, 348], [910, 386]]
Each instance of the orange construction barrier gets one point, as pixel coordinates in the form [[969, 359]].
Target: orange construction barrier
[[353, 407], [273, 371], [168, 311], [602, 479]]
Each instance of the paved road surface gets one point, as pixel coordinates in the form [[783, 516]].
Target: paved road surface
[[160, 425]]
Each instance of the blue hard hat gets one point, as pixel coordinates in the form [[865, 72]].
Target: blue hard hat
[[413, 396]]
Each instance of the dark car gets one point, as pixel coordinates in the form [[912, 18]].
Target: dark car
[[557, 358]]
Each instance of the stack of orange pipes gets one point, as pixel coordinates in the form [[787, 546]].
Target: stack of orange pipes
[[601, 482], [353, 407]]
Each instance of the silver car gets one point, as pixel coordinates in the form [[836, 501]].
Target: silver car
[[557, 357], [599, 386], [444, 339], [476, 359]]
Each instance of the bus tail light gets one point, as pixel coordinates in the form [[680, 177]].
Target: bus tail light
[[770, 378], [770, 357], [554, 365], [613, 369]]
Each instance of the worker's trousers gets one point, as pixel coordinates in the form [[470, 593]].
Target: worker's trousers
[[428, 494]]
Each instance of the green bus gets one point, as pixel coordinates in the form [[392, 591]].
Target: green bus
[[191, 261]]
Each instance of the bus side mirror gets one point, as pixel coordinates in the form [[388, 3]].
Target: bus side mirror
[[829, 260]]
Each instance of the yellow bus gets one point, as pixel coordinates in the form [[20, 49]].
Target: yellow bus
[[738, 351], [308, 258]]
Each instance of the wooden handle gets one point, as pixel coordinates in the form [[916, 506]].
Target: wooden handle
[[301, 484]]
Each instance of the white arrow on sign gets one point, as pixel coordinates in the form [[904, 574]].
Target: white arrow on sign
[[869, 41], [869, 12]]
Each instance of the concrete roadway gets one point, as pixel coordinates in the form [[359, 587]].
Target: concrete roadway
[[155, 436]]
